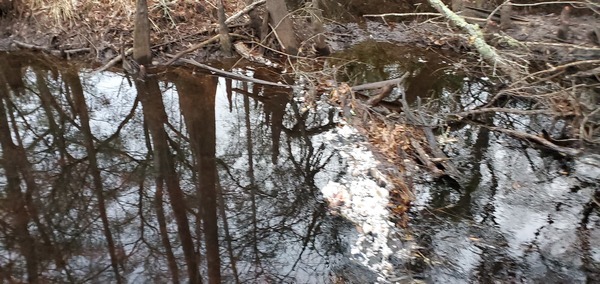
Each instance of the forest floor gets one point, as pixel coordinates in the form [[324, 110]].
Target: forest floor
[[91, 33]]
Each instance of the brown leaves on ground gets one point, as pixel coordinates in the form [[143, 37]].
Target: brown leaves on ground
[[110, 23]]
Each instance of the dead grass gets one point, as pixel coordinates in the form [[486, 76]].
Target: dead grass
[[60, 12]]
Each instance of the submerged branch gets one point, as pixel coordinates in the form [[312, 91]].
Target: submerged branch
[[381, 84], [537, 139], [56, 52]]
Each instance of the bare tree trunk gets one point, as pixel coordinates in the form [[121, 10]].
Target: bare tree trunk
[[505, 16], [58, 134], [224, 37], [72, 79], [317, 23], [253, 191], [274, 110], [255, 21], [12, 72], [141, 35], [283, 25]]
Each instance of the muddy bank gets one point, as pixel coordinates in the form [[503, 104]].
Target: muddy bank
[[90, 34]]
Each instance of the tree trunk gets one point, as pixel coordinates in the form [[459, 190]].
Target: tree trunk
[[141, 35], [317, 22], [283, 25], [505, 16], [224, 37], [255, 21]]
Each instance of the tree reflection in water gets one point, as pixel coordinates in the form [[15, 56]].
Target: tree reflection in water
[[183, 178]]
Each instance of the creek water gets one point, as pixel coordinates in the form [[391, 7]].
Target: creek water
[[183, 175]]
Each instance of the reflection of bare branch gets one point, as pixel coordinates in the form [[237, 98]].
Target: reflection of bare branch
[[164, 235], [72, 79], [222, 204], [125, 121], [555, 69]]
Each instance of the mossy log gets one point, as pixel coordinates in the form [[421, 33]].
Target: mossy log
[[476, 39]]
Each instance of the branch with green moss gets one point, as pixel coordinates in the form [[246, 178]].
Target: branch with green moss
[[476, 39]]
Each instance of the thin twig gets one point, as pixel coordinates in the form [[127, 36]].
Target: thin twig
[[400, 15], [552, 3], [489, 18], [244, 11], [575, 46]]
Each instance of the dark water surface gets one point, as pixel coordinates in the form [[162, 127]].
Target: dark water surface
[[183, 177], [102, 182]]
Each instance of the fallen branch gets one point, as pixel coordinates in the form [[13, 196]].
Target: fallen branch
[[486, 51], [438, 154], [113, 61], [246, 53], [567, 45], [400, 15], [192, 48], [52, 51], [425, 159], [230, 74], [384, 93]]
